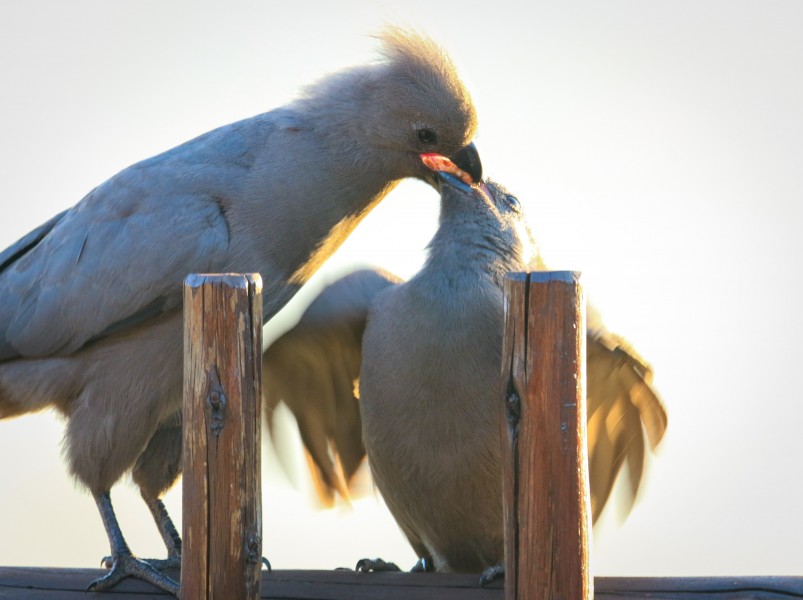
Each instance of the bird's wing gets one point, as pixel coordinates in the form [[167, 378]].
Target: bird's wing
[[117, 257], [313, 369], [622, 407]]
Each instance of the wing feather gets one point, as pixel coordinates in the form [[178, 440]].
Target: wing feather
[[623, 406], [313, 369], [117, 257]]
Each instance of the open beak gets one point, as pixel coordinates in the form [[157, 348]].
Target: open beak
[[465, 164]]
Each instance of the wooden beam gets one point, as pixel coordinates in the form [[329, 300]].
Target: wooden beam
[[41, 583], [222, 499], [546, 490]]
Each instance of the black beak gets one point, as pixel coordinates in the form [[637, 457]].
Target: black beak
[[468, 159]]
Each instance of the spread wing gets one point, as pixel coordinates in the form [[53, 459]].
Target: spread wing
[[622, 407], [313, 369], [117, 257]]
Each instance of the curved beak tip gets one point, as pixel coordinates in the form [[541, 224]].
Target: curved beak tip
[[468, 159]]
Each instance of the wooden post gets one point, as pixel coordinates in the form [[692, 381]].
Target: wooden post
[[222, 502], [546, 493]]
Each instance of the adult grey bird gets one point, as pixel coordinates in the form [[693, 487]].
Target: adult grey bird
[[90, 302], [429, 384]]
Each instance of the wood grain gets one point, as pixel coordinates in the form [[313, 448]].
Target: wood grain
[[546, 491], [222, 501]]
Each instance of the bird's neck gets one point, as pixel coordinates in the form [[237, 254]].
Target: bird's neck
[[464, 250]]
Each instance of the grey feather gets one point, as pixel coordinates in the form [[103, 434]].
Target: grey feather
[[90, 318]]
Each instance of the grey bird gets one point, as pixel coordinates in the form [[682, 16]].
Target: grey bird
[[429, 385], [90, 302]]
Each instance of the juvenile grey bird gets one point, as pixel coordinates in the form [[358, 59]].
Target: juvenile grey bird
[[429, 385], [90, 302]]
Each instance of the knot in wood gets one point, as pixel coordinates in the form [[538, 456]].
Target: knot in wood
[[253, 549], [216, 400]]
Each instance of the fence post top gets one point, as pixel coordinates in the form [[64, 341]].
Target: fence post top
[[232, 280], [545, 276]]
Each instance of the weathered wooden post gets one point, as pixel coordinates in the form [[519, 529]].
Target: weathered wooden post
[[222, 503], [546, 493]]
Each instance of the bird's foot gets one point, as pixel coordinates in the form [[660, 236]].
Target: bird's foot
[[376, 565], [266, 562], [492, 574], [126, 565], [423, 565]]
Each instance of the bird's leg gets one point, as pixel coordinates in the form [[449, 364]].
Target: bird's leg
[[123, 563], [169, 534], [492, 573], [155, 471], [167, 530]]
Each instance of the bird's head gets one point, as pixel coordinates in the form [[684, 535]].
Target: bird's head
[[487, 216], [395, 116], [419, 107]]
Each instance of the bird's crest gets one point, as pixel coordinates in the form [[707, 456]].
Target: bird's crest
[[427, 66]]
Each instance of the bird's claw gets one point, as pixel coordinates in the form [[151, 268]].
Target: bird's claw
[[126, 565], [368, 565], [492, 573], [266, 562]]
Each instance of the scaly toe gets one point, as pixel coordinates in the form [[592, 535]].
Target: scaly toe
[[126, 565]]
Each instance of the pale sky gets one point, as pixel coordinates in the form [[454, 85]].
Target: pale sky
[[657, 147]]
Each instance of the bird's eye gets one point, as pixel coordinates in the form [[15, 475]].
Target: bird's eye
[[427, 136], [513, 202]]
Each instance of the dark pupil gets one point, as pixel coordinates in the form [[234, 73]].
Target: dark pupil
[[427, 136], [513, 202]]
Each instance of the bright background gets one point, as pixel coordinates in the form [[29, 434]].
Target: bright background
[[658, 148]]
